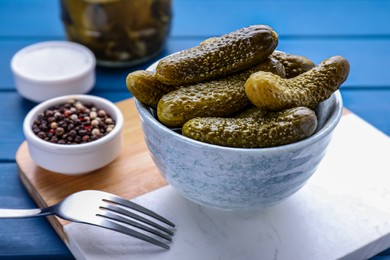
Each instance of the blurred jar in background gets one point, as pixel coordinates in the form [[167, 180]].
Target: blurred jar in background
[[119, 32]]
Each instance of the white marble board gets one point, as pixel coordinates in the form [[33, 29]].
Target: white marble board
[[343, 212]]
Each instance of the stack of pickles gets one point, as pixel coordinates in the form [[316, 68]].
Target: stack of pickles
[[237, 90]]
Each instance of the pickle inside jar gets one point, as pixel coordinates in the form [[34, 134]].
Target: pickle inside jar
[[119, 32]]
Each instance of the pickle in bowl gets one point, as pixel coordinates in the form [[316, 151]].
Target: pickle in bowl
[[218, 56], [236, 160]]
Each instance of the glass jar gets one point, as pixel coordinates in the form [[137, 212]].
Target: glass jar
[[119, 32]]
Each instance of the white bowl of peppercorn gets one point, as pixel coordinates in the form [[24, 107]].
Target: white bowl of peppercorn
[[74, 134]]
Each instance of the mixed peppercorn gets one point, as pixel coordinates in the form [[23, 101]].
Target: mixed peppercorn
[[73, 122]]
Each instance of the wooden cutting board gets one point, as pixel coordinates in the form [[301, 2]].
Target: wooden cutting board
[[131, 174]]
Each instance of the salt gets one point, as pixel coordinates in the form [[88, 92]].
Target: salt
[[54, 68], [53, 62]]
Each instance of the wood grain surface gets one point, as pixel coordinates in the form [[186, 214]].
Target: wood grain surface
[[131, 174]]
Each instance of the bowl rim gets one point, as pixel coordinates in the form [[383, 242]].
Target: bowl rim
[[68, 44], [328, 127], [46, 145]]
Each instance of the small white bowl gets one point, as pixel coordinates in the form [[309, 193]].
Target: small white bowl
[[55, 68], [74, 159]]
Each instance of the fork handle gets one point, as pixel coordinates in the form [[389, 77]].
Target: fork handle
[[22, 213]]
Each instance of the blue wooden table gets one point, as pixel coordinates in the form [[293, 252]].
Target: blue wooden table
[[357, 30]]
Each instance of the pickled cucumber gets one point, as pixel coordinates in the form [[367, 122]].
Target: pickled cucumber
[[252, 112], [145, 87], [271, 129], [220, 97], [271, 92], [218, 56], [293, 64]]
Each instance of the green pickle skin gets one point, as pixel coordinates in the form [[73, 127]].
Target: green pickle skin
[[252, 112], [218, 56], [238, 91], [259, 131], [219, 98], [293, 64], [271, 92], [145, 87]]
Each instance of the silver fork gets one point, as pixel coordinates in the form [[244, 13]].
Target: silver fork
[[105, 210]]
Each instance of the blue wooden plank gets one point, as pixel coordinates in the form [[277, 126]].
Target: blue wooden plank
[[368, 59], [371, 104], [11, 125], [14, 110], [30, 238], [106, 78], [288, 18], [358, 30], [195, 18], [385, 253], [30, 18]]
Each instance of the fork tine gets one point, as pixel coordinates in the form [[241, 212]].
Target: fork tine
[[134, 224], [126, 203], [106, 223], [130, 214]]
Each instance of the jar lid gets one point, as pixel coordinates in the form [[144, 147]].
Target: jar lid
[[49, 69]]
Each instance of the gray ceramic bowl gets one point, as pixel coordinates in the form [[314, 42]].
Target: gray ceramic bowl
[[238, 178]]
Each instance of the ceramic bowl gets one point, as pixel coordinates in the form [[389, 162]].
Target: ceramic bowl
[[238, 178], [74, 159], [51, 69]]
